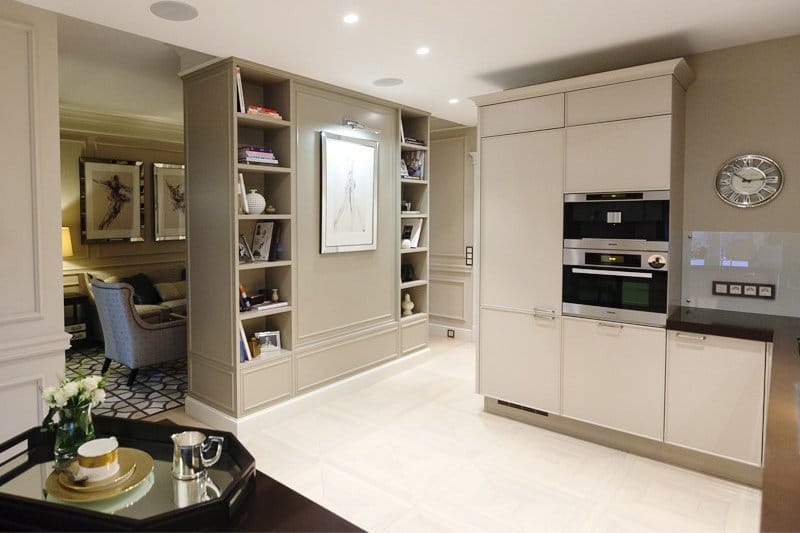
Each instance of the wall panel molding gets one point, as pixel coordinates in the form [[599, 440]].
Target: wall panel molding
[[462, 284]]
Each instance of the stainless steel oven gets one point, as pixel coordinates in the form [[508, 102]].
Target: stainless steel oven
[[628, 286], [617, 221]]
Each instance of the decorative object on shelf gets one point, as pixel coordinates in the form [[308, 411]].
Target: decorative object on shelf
[[112, 200], [169, 201], [407, 305], [415, 164], [255, 347], [270, 340], [188, 461], [245, 253], [403, 169], [275, 297], [70, 414], [263, 242], [240, 90], [749, 180], [349, 220], [256, 155], [407, 272], [412, 140], [243, 195], [405, 244], [264, 112], [405, 206], [255, 202], [412, 229], [270, 210], [244, 300]]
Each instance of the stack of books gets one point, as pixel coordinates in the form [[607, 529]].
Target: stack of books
[[256, 155], [264, 112], [412, 140]]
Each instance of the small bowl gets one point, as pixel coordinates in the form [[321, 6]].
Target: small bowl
[[98, 459]]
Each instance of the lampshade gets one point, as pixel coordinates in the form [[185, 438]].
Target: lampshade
[[66, 243]]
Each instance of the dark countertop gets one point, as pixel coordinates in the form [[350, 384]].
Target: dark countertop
[[780, 502]]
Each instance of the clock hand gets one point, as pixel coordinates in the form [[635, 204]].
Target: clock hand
[[745, 179]]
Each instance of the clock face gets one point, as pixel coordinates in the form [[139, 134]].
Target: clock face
[[749, 180]]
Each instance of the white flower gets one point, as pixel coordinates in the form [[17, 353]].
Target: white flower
[[70, 389], [98, 396], [47, 396], [59, 398], [89, 384]]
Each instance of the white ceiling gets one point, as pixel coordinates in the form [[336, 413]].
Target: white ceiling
[[477, 46]]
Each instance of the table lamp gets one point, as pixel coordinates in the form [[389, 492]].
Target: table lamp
[[66, 243]]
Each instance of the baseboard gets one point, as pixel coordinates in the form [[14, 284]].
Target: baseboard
[[276, 413], [652, 449], [438, 330]]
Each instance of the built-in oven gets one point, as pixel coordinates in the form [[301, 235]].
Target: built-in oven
[[627, 286], [617, 220]]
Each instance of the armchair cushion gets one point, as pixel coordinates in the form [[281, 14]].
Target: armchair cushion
[[171, 290], [144, 293]]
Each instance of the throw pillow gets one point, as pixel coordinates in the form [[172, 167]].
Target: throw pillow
[[143, 291], [171, 290]]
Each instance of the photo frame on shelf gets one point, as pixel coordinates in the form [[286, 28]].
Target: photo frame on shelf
[[245, 253], [169, 201], [349, 194], [263, 240], [412, 230], [270, 341], [414, 162], [112, 200]]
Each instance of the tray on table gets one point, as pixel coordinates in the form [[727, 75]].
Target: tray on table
[[26, 461]]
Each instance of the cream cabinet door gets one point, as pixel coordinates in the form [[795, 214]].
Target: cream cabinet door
[[531, 114], [520, 358], [626, 155], [521, 220], [614, 375], [715, 395]]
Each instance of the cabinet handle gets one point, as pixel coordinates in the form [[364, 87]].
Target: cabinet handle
[[543, 311], [690, 337], [608, 325], [546, 317]]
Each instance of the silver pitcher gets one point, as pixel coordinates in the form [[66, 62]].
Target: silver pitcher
[[188, 461]]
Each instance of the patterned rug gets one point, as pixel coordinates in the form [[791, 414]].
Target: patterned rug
[[156, 389]]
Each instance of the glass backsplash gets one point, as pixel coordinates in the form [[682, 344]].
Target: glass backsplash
[[747, 258]]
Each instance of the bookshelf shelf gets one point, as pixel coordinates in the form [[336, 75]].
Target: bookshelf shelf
[[263, 169], [416, 317], [249, 315], [412, 215], [414, 250], [257, 121], [409, 181], [264, 217], [264, 264], [266, 358], [407, 147], [415, 283]]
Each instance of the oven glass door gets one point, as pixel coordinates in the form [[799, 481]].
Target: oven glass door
[[644, 220], [634, 290]]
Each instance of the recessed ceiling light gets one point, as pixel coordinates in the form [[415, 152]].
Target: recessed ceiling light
[[350, 18], [423, 51], [387, 82], [453, 101], [175, 11]]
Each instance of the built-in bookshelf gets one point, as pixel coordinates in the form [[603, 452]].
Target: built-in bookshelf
[[217, 126], [414, 224]]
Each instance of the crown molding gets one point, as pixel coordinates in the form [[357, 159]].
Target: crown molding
[[87, 122]]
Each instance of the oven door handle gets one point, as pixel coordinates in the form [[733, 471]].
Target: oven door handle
[[618, 273]]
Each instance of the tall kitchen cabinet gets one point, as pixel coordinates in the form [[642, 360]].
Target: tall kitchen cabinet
[[521, 236]]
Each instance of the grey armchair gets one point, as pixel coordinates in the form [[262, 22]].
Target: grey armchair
[[129, 339]]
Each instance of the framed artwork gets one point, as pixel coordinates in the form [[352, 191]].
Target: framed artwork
[[262, 240], [269, 340], [245, 253], [414, 164], [412, 229], [169, 201], [112, 200], [349, 211]]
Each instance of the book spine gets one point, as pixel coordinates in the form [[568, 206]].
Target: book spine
[[240, 90]]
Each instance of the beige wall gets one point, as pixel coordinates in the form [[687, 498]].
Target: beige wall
[[115, 137], [451, 212], [744, 100]]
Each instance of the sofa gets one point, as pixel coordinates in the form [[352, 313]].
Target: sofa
[[158, 291]]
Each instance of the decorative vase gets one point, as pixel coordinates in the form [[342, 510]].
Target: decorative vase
[[407, 305], [270, 210], [275, 297], [255, 202], [74, 428]]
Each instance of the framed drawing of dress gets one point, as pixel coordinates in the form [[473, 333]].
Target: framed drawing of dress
[[112, 200], [169, 201], [349, 211]]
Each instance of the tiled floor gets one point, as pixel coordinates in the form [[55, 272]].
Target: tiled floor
[[416, 452]]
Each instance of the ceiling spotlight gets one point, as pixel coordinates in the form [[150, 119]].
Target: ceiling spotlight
[[387, 82], [175, 11], [423, 51], [351, 18], [452, 101]]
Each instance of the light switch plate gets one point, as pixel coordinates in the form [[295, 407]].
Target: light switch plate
[[748, 290]]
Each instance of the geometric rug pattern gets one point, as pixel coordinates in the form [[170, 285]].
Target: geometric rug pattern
[[157, 388]]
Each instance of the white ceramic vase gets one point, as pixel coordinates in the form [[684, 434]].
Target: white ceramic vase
[[255, 202], [407, 305]]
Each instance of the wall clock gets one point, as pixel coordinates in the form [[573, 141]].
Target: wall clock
[[749, 180]]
